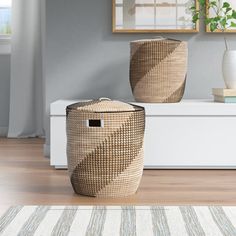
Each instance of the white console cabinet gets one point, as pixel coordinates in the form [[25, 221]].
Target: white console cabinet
[[190, 134]]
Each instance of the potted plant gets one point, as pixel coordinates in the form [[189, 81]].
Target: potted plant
[[223, 19]]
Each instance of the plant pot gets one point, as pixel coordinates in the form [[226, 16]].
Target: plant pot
[[158, 70], [229, 68]]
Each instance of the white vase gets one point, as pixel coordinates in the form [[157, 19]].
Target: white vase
[[229, 68]]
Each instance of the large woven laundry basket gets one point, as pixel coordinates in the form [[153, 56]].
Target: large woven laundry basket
[[105, 147], [158, 70]]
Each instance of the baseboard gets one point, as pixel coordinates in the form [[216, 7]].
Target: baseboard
[[61, 167], [3, 131], [46, 150], [5, 47]]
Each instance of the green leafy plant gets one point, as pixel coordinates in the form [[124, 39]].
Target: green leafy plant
[[223, 19]]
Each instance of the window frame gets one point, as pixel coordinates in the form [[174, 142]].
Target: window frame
[[5, 43]]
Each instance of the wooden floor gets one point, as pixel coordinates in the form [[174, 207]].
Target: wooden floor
[[27, 178]]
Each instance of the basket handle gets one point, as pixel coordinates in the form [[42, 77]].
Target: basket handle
[[104, 99]]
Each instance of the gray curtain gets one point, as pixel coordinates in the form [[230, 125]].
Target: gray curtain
[[27, 85]]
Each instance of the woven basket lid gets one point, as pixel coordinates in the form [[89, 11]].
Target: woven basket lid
[[103, 105]]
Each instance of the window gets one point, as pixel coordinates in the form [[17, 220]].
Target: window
[[154, 15], [5, 18]]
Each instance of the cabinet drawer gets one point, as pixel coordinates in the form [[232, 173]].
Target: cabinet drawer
[[190, 141]]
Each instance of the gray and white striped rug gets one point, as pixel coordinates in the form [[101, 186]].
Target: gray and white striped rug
[[118, 220]]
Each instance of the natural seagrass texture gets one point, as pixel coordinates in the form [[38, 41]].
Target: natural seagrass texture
[[158, 70], [105, 161]]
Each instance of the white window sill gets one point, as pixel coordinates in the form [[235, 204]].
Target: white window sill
[[5, 45]]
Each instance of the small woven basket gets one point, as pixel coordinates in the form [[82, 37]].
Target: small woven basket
[[158, 70], [105, 147]]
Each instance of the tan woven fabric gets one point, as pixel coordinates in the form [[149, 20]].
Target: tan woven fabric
[[158, 70], [105, 161]]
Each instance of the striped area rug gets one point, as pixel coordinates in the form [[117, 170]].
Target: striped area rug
[[118, 220]]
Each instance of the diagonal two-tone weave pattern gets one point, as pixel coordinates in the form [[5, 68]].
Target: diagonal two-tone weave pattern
[[158, 70], [108, 160]]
